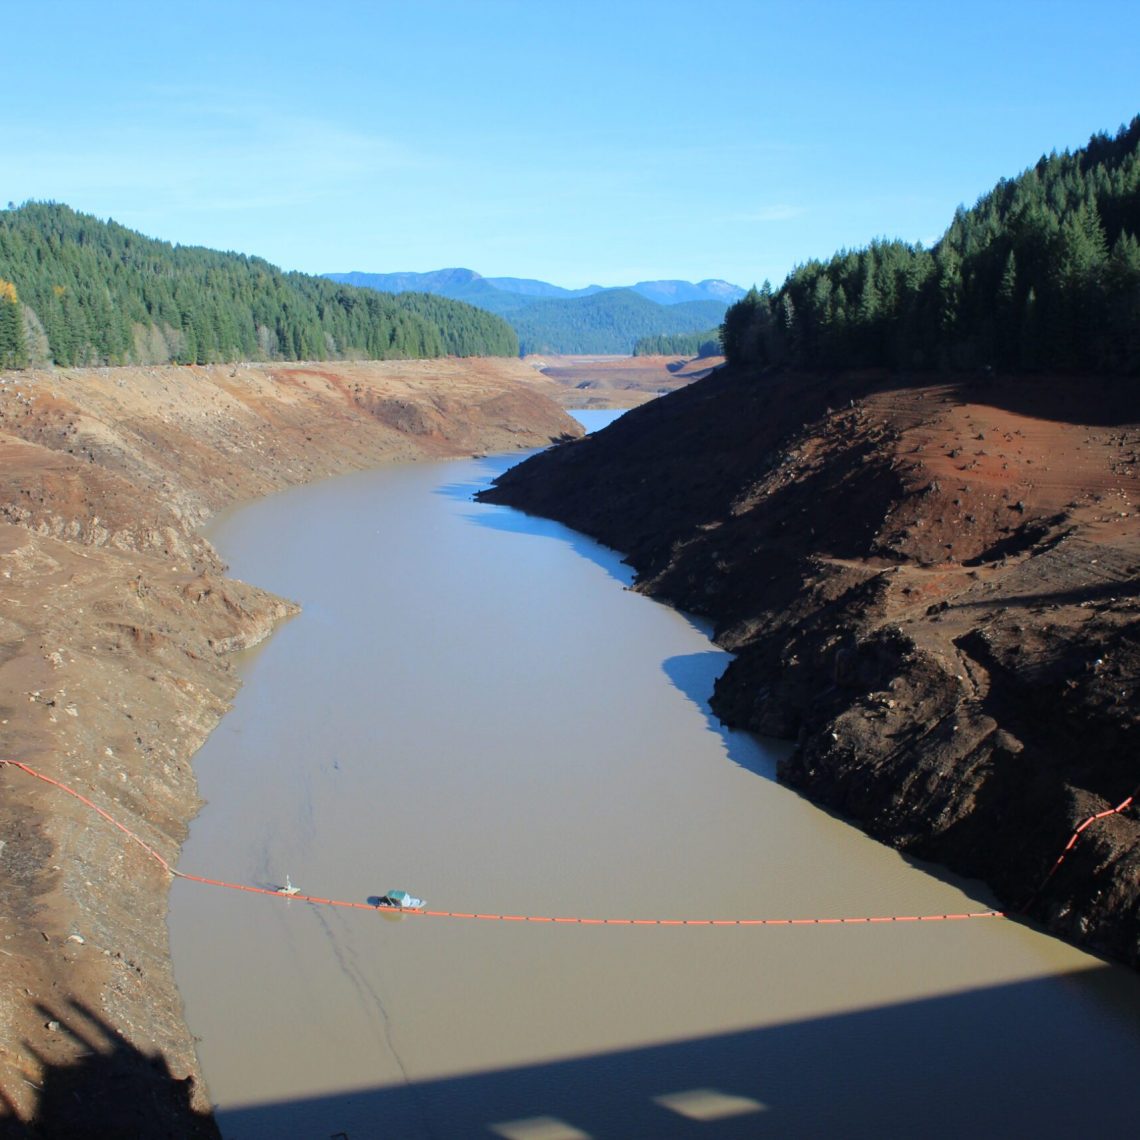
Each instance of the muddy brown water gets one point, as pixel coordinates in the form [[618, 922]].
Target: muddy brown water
[[472, 707]]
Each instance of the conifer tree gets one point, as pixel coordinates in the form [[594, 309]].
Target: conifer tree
[[13, 347]]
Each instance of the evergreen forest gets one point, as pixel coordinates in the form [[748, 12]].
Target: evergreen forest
[[75, 290], [697, 344], [1042, 274], [611, 321]]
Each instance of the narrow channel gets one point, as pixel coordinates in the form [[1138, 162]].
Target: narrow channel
[[473, 707]]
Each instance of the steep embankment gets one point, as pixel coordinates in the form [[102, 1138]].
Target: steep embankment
[[116, 626], [933, 590]]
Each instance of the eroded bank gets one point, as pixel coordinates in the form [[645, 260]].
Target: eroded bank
[[117, 623]]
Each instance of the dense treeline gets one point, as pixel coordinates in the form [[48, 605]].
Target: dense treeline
[[75, 290], [465, 329], [705, 343], [1043, 273], [611, 321]]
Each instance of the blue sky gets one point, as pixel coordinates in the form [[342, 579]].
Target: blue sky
[[574, 141]]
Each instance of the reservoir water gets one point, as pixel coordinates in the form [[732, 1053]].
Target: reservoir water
[[473, 707]]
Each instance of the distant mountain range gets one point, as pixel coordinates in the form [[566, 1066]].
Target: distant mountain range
[[549, 318], [467, 285]]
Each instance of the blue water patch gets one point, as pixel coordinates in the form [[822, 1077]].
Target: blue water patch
[[594, 419]]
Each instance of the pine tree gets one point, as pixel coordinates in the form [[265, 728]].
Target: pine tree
[[1122, 336], [1005, 315], [737, 332]]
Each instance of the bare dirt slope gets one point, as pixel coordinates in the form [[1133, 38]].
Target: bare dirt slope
[[116, 622], [934, 590]]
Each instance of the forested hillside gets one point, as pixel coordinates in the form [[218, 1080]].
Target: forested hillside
[[548, 318], [608, 322], [1042, 274], [705, 343], [75, 290]]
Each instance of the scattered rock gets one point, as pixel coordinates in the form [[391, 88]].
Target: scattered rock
[[1000, 739]]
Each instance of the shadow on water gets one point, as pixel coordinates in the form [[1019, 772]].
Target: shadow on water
[[509, 521], [1002, 1060], [694, 675], [486, 470], [987, 1062]]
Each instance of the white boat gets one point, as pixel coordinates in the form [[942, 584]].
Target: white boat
[[288, 888], [401, 900]]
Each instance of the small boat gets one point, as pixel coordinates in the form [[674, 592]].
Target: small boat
[[401, 900], [288, 888]]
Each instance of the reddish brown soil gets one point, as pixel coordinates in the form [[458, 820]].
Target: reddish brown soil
[[932, 589], [116, 626]]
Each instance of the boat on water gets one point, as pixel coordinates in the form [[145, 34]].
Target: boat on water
[[288, 888], [400, 900]]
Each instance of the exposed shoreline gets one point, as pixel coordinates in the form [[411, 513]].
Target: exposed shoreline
[[955, 514], [117, 624], [931, 589]]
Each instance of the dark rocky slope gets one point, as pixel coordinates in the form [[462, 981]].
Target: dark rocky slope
[[932, 590]]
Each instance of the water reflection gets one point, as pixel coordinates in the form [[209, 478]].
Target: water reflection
[[478, 475], [594, 419], [506, 521], [694, 674]]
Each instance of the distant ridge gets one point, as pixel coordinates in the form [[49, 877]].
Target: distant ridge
[[528, 287], [460, 283], [679, 292], [549, 318]]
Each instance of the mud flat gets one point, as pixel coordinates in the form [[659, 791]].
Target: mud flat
[[619, 381], [117, 623]]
